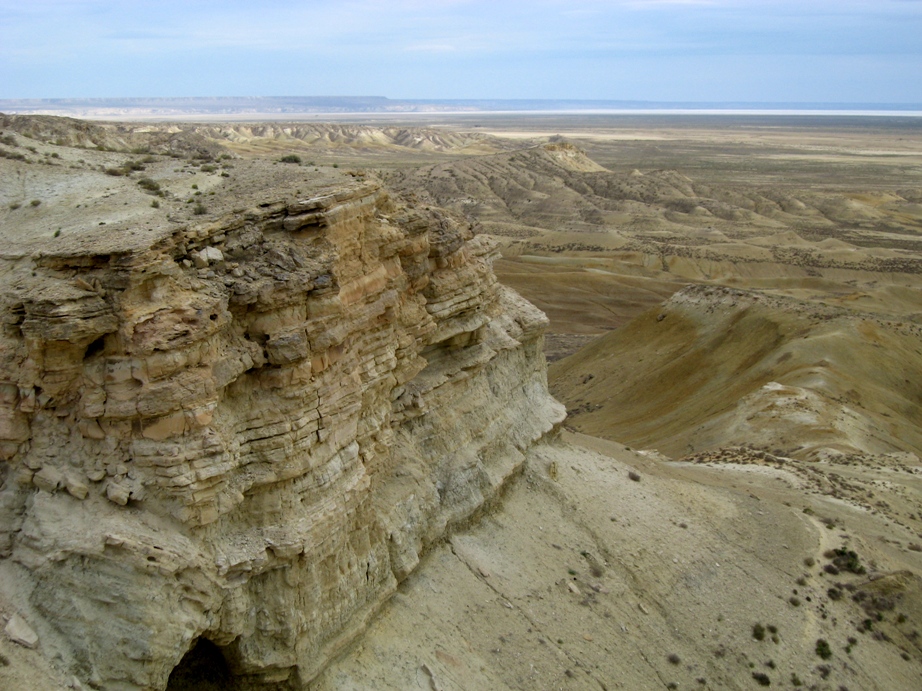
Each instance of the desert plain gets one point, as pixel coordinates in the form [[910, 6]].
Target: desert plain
[[735, 328]]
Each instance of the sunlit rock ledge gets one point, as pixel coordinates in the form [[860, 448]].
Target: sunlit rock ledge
[[247, 431]]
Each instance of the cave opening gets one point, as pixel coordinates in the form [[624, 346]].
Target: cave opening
[[203, 668], [96, 347]]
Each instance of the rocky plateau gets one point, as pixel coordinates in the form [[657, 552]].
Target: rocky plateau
[[243, 431]]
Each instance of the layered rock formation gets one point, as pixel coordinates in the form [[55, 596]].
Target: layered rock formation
[[246, 432]]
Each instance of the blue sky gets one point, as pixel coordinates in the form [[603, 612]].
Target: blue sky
[[866, 51]]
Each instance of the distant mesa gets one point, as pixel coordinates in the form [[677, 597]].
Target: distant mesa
[[123, 108]]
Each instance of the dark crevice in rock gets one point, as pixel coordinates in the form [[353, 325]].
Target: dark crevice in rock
[[203, 668]]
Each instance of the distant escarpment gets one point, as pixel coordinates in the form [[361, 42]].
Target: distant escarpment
[[715, 367], [234, 439]]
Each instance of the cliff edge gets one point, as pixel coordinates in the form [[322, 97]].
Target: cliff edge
[[237, 436]]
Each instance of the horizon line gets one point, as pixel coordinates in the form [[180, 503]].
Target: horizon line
[[380, 101]]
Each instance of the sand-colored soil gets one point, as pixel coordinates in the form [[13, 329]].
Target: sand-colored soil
[[585, 579]]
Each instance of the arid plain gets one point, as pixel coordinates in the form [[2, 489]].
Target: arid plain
[[735, 307]]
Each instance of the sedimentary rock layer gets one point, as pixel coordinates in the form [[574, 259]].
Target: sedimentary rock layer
[[248, 431]]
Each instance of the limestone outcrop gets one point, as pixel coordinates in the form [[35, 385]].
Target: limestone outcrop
[[247, 431]]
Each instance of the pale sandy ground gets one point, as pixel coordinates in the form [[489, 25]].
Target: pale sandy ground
[[584, 579]]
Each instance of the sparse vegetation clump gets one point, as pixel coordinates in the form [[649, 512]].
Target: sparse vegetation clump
[[823, 649], [149, 185], [125, 169], [773, 630], [762, 679], [13, 155], [758, 632], [846, 560], [290, 158], [199, 209], [852, 642], [35, 202]]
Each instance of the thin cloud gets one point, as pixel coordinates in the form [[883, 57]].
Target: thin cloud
[[475, 46]]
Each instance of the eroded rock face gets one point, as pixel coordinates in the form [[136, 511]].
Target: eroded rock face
[[249, 431]]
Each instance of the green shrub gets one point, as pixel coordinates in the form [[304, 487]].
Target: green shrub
[[199, 209], [149, 185], [290, 158], [847, 560], [35, 202], [823, 649]]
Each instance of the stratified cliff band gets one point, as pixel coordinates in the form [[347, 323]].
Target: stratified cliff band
[[248, 431]]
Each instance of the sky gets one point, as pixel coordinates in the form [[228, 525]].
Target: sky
[[816, 51]]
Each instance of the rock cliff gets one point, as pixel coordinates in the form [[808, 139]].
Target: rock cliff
[[240, 436]]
